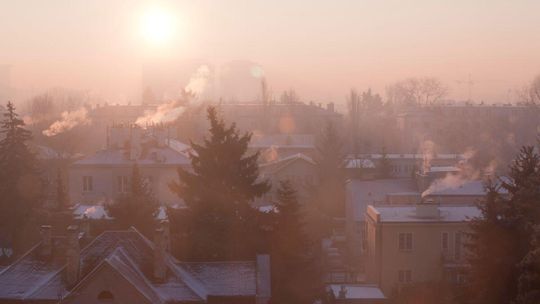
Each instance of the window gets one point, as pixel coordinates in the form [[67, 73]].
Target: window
[[122, 182], [457, 245], [444, 241], [405, 241], [404, 276], [105, 296], [88, 184]]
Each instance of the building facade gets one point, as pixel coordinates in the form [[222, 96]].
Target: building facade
[[416, 244]]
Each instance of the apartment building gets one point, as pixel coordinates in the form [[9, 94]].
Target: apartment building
[[416, 243]]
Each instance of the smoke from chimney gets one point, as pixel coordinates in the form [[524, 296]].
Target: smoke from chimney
[[170, 111], [68, 121]]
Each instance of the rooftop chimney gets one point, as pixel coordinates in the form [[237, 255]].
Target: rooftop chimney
[[330, 106], [166, 234], [73, 254], [160, 255], [263, 279], [46, 240], [427, 209]]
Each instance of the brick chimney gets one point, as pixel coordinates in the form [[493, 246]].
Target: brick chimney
[[263, 279], [166, 234], [46, 240], [160, 255], [73, 254]]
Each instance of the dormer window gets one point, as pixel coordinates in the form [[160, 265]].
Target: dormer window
[[105, 296]]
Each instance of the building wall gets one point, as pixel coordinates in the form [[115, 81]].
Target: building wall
[[105, 182], [425, 260], [301, 173]]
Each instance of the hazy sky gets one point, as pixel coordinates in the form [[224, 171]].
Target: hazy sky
[[320, 48]]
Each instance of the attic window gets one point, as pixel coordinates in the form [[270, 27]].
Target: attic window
[[105, 296]]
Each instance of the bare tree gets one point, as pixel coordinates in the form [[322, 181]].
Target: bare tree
[[416, 91], [530, 94]]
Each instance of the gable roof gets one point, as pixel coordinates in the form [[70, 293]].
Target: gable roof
[[34, 277], [281, 163]]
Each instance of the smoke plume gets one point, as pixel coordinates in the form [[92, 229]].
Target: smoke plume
[[68, 121], [170, 111]]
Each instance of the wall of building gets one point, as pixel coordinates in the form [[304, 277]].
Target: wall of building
[[105, 182], [425, 260]]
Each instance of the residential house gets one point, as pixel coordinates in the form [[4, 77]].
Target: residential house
[[105, 175], [126, 267]]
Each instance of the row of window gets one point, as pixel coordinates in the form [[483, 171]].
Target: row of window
[[122, 183], [405, 243]]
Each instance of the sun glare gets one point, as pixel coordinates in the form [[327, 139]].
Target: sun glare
[[157, 26]]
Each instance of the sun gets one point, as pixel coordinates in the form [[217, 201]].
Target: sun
[[157, 25]]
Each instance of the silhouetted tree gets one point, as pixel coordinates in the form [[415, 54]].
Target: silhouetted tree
[[501, 238], [529, 279], [385, 165], [218, 192], [295, 278], [137, 208], [62, 200], [20, 187]]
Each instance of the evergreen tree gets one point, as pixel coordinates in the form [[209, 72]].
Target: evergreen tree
[[218, 192], [137, 208], [295, 278], [330, 160], [385, 166], [20, 188], [529, 279], [327, 194], [501, 237], [62, 201]]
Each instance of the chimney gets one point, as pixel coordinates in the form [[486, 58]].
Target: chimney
[[160, 255], [166, 235], [46, 240], [330, 106], [427, 209], [263, 279], [73, 253], [85, 226]]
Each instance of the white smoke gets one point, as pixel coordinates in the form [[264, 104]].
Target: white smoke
[[271, 154], [427, 148], [69, 120], [170, 111]]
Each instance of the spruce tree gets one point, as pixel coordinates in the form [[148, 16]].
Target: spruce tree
[[295, 277], [137, 208], [330, 162], [20, 188], [529, 279], [62, 201], [218, 192], [501, 239], [327, 199]]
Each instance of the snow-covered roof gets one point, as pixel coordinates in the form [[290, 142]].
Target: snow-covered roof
[[179, 146], [467, 188], [119, 157], [33, 278], [443, 169], [397, 214], [98, 212], [410, 156], [93, 212], [361, 193], [283, 140], [358, 292], [357, 163]]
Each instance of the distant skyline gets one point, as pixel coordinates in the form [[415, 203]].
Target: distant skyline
[[322, 49]]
